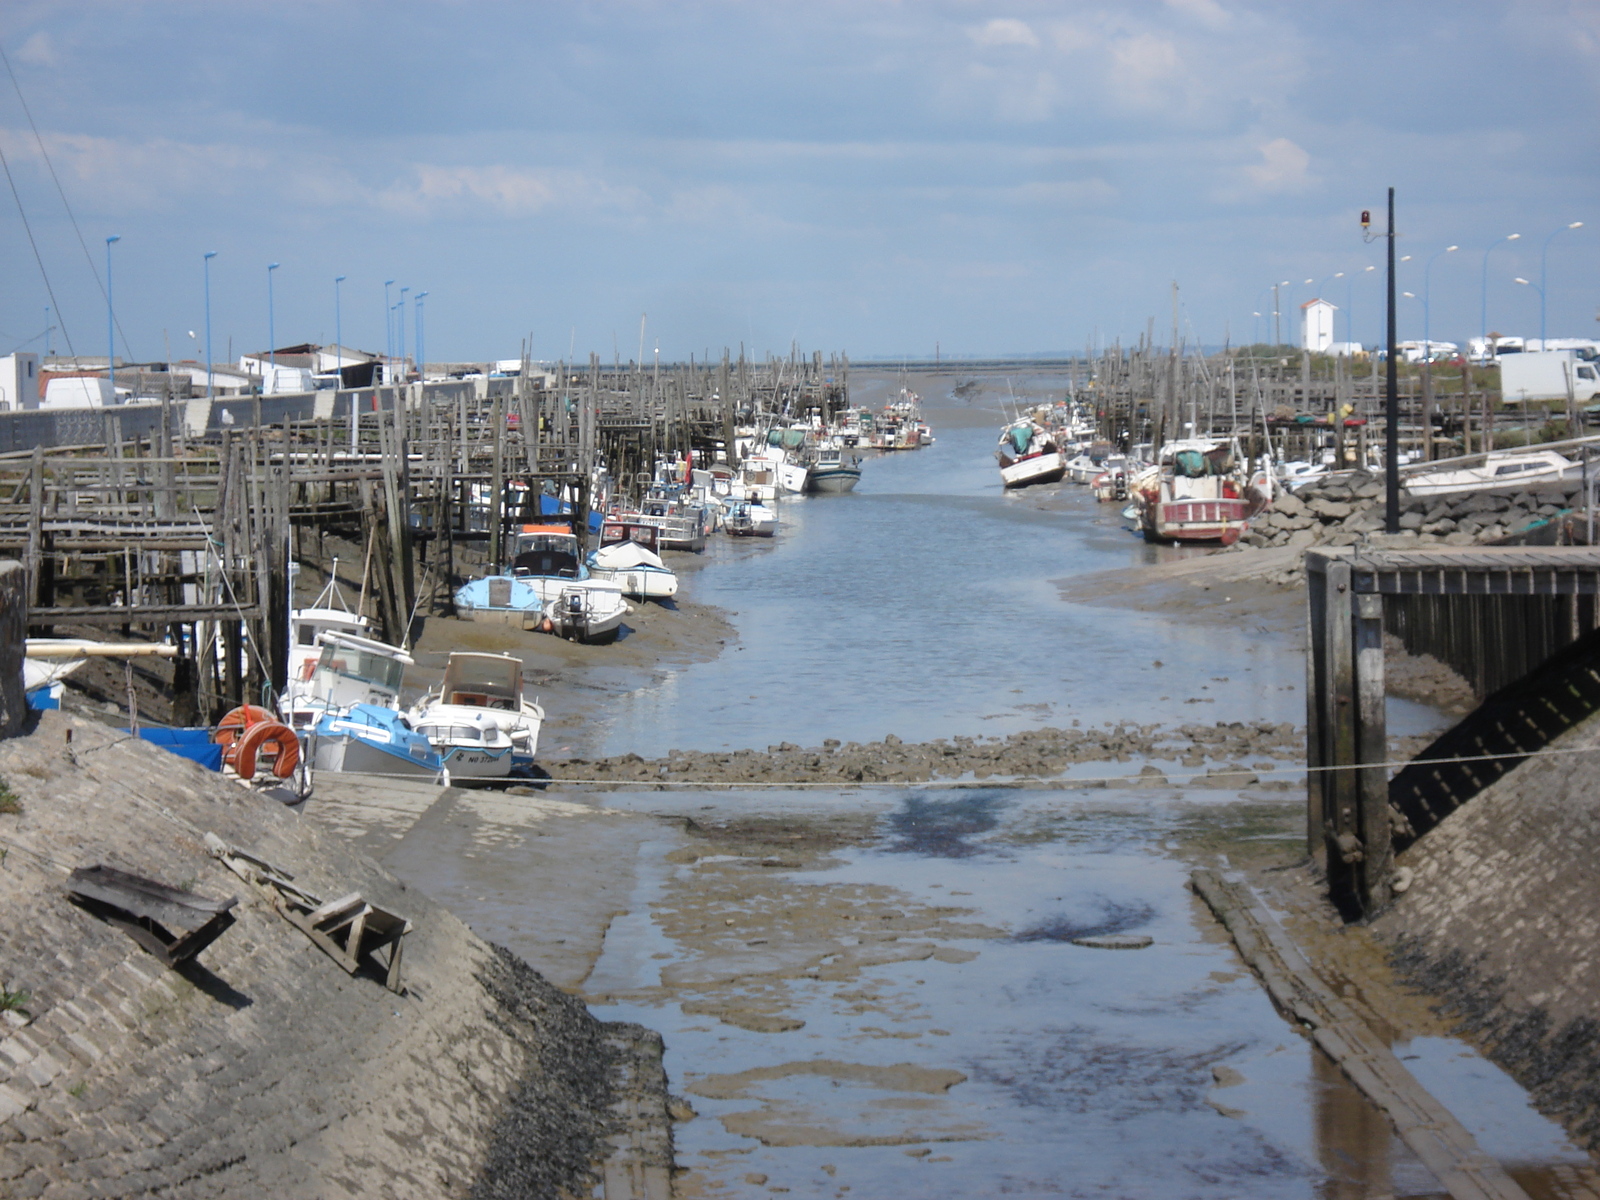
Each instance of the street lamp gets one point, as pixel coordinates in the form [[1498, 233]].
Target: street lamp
[[388, 324], [400, 334], [416, 305], [1484, 313], [338, 335], [210, 254], [1427, 280], [1544, 251], [111, 322], [272, 334]]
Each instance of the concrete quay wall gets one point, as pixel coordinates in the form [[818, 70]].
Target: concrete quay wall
[[261, 1069], [1501, 922]]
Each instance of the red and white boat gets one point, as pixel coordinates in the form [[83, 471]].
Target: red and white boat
[[1198, 491], [1028, 454]]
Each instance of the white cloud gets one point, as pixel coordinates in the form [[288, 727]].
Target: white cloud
[[1206, 12], [1283, 167], [1006, 31], [39, 50]]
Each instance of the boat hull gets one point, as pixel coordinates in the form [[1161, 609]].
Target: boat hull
[[1221, 520], [833, 481], [1036, 468], [347, 752]]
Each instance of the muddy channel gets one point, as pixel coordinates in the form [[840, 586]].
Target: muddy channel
[[783, 831]]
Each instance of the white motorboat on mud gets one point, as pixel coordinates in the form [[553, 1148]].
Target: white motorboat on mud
[[590, 611], [349, 670], [477, 720], [544, 561], [627, 557]]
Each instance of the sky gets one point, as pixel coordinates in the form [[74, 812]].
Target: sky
[[882, 178]]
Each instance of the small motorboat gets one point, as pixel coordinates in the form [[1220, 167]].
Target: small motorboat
[[751, 518], [588, 611], [1507, 470], [627, 557], [372, 739], [477, 720]]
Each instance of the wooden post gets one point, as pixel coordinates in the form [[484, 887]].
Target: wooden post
[[1340, 821], [1372, 779], [1316, 671], [497, 496]]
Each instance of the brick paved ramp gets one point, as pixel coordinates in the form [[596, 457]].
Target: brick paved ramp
[[262, 1069], [1502, 920]]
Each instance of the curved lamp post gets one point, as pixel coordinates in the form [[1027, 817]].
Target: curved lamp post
[[1545, 250], [272, 335], [111, 322], [210, 372], [416, 307], [1484, 311], [338, 336]]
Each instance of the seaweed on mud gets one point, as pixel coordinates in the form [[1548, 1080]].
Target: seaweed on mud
[[942, 828], [1113, 917]]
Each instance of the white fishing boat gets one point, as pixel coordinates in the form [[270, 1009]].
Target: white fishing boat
[[627, 557], [478, 720], [1198, 491], [328, 613], [1506, 470], [588, 611], [830, 474], [348, 670], [1028, 455]]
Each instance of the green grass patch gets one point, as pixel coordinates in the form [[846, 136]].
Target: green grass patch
[[14, 1001], [10, 802]]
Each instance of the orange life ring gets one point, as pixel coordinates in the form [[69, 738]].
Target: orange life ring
[[232, 726], [265, 737]]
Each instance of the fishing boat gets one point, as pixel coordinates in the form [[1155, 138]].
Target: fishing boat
[[588, 611], [830, 474], [680, 525], [348, 670], [478, 720], [328, 613], [1028, 455], [1506, 470], [751, 518], [627, 557], [1197, 492]]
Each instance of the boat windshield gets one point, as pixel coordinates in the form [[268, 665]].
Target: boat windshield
[[353, 663]]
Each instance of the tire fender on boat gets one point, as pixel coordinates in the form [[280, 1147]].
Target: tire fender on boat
[[265, 737]]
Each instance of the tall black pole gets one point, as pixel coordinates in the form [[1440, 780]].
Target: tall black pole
[[1391, 404]]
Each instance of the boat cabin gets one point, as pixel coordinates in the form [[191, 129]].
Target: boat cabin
[[358, 670], [482, 681], [550, 550], [614, 531]]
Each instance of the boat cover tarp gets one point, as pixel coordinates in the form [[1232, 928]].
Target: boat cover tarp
[[194, 744], [620, 556]]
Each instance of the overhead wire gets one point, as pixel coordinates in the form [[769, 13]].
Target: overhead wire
[[37, 257], [60, 191]]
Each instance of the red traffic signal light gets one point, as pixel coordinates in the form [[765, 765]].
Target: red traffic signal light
[[1366, 218]]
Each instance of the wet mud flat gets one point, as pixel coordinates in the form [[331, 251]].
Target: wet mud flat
[[1207, 755], [896, 992]]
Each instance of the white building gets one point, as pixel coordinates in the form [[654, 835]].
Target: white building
[[1316, 326], [19, 382]]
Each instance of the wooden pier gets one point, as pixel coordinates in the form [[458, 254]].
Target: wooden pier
[[1521, 624], [183, 522]]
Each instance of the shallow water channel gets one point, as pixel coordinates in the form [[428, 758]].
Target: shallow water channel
[[875, 993]]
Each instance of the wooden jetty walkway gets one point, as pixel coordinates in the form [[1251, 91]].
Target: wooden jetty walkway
[[180, 520]]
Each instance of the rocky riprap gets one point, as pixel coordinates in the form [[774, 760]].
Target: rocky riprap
[[1348, 510], [1208, 755]]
